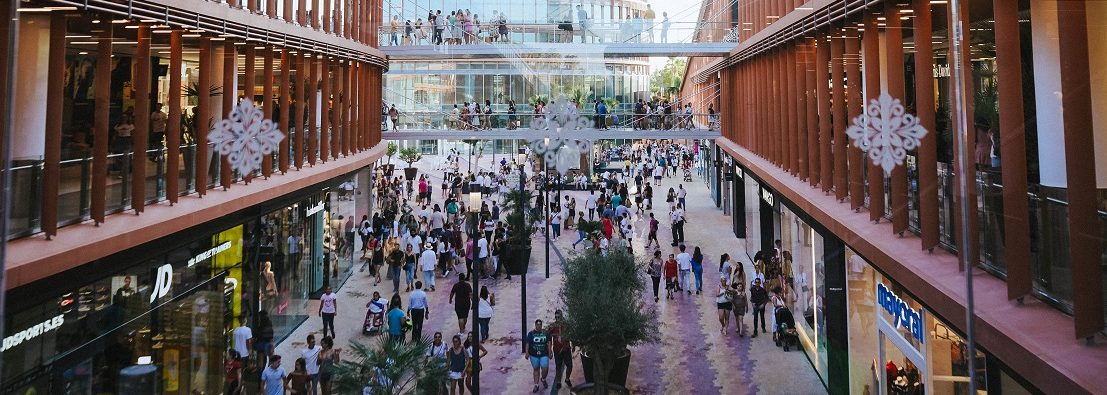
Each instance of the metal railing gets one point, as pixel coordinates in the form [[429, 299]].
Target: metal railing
[[424, 120], [594, 32]]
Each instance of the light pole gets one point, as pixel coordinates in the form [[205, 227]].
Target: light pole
[[546, 202], [519, 206], [474, 210]]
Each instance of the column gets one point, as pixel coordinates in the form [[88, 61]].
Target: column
[[249, 74], [812, 146], [325, 123], [203, 115], [268, 102], [854, 107], [55, 103], [822, 98], [924, 110], [870, 43], [141, 134], [102, 124], [173, 127], [287, 109], [311, 89], [230, 91], [1084, 228], [838, 117], [893, 48]]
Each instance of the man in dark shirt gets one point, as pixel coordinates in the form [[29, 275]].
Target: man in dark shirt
[[536, 348], [562, 350], [759, 297], [462, 292]]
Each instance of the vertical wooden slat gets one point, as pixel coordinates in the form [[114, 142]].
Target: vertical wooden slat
[[790, 108], [854, 105], [325, 124], [230, 93], [327, 16], [173, 129], [100, 137], [838, 117], [249, 74], [287, 109], [287, 10], [814, 176], [315, 14], [141, 134], [1012, 134], [311, 90], [55, 103], [822, 62], [339, 110], [267, 96], [271, 8], [893, 40], [870, 41], [297, 125], [924, 110], [800, 108], [347, 127], [203, 111], [1084, 226], [301, 12], [776, 118]]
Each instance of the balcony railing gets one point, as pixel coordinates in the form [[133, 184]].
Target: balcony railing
[[596, 32]]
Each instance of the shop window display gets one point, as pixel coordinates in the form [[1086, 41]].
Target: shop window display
[[800, 253]]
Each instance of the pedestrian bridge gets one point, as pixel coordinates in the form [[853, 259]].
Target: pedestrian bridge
[[533, 134], [546, 50]]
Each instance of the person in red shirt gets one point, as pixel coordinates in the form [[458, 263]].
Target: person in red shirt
[[670, 276], [608, 229], [562, 350], [232, 373]]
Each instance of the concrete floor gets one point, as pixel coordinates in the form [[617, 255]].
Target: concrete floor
[[692, 357]]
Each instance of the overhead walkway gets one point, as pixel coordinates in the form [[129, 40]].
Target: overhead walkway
[[431, 125], [624, 39], [532, 134]]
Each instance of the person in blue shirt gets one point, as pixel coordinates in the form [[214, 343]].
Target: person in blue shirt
[[274, 378], [396, 320]]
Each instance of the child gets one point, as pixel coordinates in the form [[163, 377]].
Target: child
[[670, 276]]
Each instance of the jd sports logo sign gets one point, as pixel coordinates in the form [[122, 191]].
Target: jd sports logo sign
[[162, 281]]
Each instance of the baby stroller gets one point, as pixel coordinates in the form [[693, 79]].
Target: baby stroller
[[785, 335], [687, 175], [374, 317]]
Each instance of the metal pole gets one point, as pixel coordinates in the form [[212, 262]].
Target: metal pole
[[546, 201], [523, 299], [476, 301], [966, 175], [5, 156]]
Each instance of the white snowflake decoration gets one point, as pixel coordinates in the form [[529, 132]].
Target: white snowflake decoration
[[886, 132], [246, 137], [560, 114], [563, 153]]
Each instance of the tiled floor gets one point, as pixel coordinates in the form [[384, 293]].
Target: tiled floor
[[692, 357]]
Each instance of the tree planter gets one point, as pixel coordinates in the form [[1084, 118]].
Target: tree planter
[[618, 373], [411, 172], [517, 259], [590, 389]]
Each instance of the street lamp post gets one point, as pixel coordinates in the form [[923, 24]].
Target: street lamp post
[[523, 298], [546, 202], [474, 210]]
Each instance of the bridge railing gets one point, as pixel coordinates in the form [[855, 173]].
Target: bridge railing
[[637, 31], [431, 120]]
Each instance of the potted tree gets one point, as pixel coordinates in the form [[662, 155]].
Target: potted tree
[[517, 247], [605, 316], [389, 368], [410, 155], [389, 152]]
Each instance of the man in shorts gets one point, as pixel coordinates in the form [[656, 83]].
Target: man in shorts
[[462, 293], [536, 347]]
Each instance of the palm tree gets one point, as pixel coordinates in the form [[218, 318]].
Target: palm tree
[[390, 368]]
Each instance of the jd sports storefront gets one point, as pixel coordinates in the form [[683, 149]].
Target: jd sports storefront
[[170, 305]]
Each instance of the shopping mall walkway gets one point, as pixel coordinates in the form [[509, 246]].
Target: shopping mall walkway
[[692, 357]]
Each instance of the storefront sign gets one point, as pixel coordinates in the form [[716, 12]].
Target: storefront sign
[[904, 315], [315, 209], [162, 282], [941, 71], [738, 172], [32, 332], [203, 256], [767, 196]]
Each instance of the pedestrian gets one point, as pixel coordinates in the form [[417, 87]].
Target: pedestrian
[[310, 356], [591, 204], [682, 194], [654, 270], [328, 307], [671, 199], [418, 309], [409, 267], [739, 303], [555, 224], [685, 262], [396, 319], [328, 358], [678, 220], [232, 373], [461, 292], [243, 338], [536, 349], [670, 276], [395, 261], [274, 378], [485, 311], [758, 297], [456, 359], [651, 239], [723, 302], [725, 268], [428, 261], [697, 268], [264, 343], [562, 350], [473, 348]]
